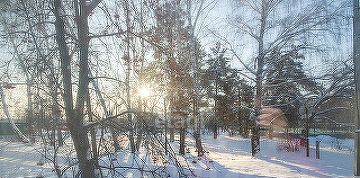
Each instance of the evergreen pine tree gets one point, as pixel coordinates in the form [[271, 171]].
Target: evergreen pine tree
[[286, 82]]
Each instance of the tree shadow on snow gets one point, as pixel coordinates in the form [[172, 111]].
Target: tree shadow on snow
[[218, 170], [291, 166]]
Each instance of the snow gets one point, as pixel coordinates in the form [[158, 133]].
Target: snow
[[226, 157], [232, 159], [20, 160], [332, 143]]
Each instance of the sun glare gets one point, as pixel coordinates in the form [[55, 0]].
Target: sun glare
[[144, 92]]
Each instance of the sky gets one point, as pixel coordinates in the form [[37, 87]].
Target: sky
[[215, 19], [336, 46]]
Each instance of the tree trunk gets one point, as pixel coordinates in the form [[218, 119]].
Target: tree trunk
[[74, 117], [182, 135], [255, 138], [194, 53], [197, 127], [94, 150], [356, 60], [139, 138], [127, 59], [140, 126], [56, 113], [216, 107], [172, 131], [166, 127]]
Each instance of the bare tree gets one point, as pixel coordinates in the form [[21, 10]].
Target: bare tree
[[268, 30], [74, 112]]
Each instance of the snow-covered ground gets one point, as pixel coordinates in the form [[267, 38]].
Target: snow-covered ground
[[232, 158], [21, 160], [227, 157]]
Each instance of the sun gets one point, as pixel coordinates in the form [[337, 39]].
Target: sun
[[144, 91]]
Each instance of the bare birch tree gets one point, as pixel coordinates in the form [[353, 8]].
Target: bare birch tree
[[265, 24]]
